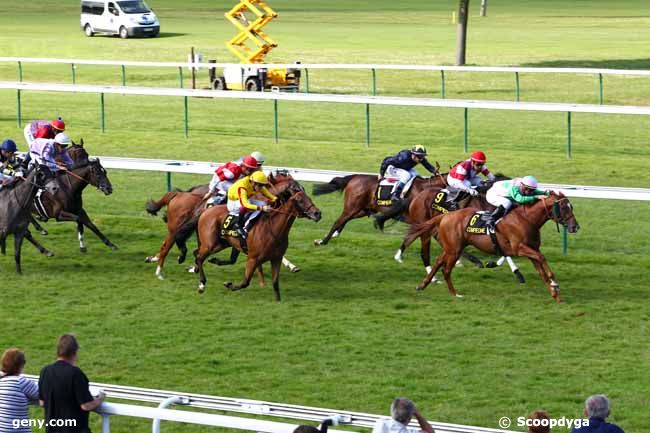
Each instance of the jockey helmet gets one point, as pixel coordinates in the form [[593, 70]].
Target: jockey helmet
[[419, 150], [8, 145], [58, 124], [259, 177], [529, 182], [478, 156], [63, 139], [249, 162], [259, 157]]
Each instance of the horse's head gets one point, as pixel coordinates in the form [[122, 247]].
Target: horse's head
[[99, 177], [562, 212], [78, 153], [301, 203]]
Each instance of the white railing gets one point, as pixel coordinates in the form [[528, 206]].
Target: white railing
[[511, 69], [245, 406], [314, 175]]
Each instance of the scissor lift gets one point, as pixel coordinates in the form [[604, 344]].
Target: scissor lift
[[250, 46]]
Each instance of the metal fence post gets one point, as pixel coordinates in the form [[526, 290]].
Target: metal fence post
[[106, 424], [367, 125], [186, 117], [74, 77], [600, 89], [180, 75], [564, 242], [568, 135], [169, 181], [275, 120], [101, 116], [442, 84], [19, 116], [466, 130], [306, 80], [123, 76], [517, 84], [374, 82], [20, 72]]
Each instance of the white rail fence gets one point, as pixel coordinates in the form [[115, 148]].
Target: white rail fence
[[356, 420], [345, 99]]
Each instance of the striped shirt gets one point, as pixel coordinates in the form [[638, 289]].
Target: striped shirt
[[15, 395]]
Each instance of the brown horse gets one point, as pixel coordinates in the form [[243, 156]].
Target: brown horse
[[359, 192], [183, 211], [268, 238], [518, 234], [421, 209]]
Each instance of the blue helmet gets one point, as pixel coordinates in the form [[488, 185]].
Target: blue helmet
[[8, 145]]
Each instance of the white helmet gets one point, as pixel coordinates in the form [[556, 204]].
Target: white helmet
[[63, 139], [259, 157]]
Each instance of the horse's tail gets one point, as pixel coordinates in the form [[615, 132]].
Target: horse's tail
[[336, 184], [418, 230], [153, 207]]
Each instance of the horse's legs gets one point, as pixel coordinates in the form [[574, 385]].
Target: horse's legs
[[38, 246], [161, 255], [3, 246], [182, 246], [67, 216], [513, 267], [85, 220], [431, 275], [260, 276], [251, 265], [293, 268], [338, 226], [275, 269], [475, 260], [37, 226], [447, 268], [234, 253], [18, 243], [544, 270], [80, 235]]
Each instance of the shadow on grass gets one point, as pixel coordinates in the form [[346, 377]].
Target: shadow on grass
[[581, 63], [170, 35]]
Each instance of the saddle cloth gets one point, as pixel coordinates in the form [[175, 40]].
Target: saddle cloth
[[440, 203], [230, 226], [476, 224], [385, 189]]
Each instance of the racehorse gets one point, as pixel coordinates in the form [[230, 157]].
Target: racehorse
[[517, 234], [268, 238], [67, 203], [183, 211], [359, 192], [424, 207], [15, 203]]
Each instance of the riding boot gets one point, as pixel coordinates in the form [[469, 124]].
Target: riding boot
[[491, 218], [242, 232], [451, 201], [396, 196]]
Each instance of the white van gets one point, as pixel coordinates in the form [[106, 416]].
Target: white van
[[123, 17]]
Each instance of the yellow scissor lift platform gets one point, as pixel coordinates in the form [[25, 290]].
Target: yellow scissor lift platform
[[250, 46]]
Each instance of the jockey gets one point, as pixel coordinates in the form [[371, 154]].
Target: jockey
[[401, 167], [224, 177], [464, 175], [43, 129], [259, 157], [506, 192], [46, 152], [239, 202], [10, 165]]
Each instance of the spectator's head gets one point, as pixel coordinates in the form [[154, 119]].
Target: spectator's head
[[537, 426], [402, 410], [67, 347], [13, 361], [597, 406], [306, 429]]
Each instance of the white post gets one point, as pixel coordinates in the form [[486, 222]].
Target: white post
[[155, 428], [106, 424]]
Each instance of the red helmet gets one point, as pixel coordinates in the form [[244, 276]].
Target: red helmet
[[58, 124], [249, 162], [478, 156]]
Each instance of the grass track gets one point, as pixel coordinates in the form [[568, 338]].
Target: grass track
[[351, 332]]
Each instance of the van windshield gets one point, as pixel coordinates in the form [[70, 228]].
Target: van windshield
[[134, 7]]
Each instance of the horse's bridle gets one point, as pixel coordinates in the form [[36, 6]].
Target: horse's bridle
[[556, 211]]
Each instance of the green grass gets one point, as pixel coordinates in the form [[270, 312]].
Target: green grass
[[351, 332]]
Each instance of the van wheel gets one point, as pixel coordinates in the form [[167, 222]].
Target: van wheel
[[88, 30], [253, 84], [219, 83], [124, 33]]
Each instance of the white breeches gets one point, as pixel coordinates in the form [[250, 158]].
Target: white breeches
[[29, 138], [235, 207], [497, 200], [463, 185], [403, 175]]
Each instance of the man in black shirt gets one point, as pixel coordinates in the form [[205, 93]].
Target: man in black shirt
[[63, 390]]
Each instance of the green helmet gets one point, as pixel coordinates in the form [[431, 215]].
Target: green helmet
[[419, 150]]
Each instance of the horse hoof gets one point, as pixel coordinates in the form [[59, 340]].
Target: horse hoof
[[459, 264], [419, 288], [191, 269], [83, 249], [113, 247], [201, 289], [228, 285], [520, 277], [48, 254], [44, 232], [161, 277], [491, 264], [398, 258], [458, 295], [295, 270], [181, 259], [436, 281], [318, 242]]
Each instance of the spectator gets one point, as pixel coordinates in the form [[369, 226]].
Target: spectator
[[16, 392], [542, 426], [597, 410], [63, 389], [401, 411]]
